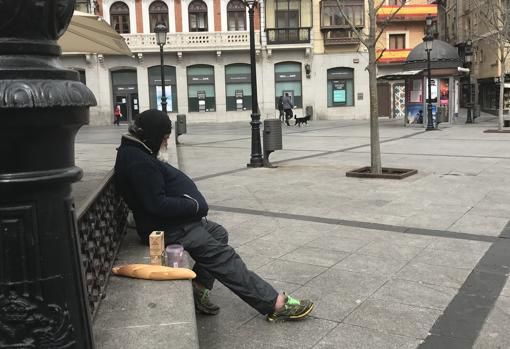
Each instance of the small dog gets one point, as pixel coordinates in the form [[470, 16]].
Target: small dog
[[301, 121]]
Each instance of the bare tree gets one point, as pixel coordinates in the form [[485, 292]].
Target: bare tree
[[369, 40], [495, 27]]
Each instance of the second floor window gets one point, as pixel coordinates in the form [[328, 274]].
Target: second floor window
[[332, 16], [287, 14], [197, 12], [397, 41], [119, 17], [158, 13], [236, 15]]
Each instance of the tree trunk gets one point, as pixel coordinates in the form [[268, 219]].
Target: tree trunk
[[375, 148], [501, 89]]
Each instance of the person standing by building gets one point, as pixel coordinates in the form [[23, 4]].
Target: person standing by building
[[117, 114], [287, 108], [280, 108]]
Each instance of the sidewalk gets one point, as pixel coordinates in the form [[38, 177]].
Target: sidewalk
[[387, 262]]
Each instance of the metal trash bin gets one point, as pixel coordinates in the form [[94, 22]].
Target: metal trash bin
[[272, 138], [180, 126]]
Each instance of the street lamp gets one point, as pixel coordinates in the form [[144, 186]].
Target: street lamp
[[468, 56], [161, 30], [428, 39], [256, 149]]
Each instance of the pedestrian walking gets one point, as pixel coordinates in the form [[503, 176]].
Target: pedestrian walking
[[287, 108], [117, 114], [164, 198], [280, 108]]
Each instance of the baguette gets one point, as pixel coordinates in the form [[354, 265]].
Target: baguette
[[153, 272]]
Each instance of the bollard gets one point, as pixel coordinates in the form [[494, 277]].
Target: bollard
[[272, 138], [43, 300], [180, 126]]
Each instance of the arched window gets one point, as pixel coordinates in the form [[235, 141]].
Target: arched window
[[236, 15], [119, 17], [197, 12], [158, 13], [288, 80], [340, 87]]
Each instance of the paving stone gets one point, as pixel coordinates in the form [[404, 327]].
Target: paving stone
[[292, 272], [315, 256], [415, 293], [383, 266], [355, 337], [455, 259], [494, 333], [435, 275], [481, 225], [266, 248], [330, 304], [448, 244], [359, 285], [394, 318], [254, 261], [390, 250], [338, 244]]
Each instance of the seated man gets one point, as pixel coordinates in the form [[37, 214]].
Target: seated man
[[164, 198]]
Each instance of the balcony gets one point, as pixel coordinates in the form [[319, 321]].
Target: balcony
[[196, 41], [279, 36], [407, 13], [334, 36], [393, 56]]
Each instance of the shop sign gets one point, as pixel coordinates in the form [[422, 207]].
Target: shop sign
[[292, 76], [200, 79], [237, 78], [340, 74], [169, 80]]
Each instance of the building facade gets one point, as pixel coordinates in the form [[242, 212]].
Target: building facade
[[303, 47], [401, 34], [473, 21]]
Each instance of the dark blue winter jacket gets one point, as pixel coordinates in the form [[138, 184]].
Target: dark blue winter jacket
[[160, 196]]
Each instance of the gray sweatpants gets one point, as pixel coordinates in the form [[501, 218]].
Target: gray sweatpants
[[207, 244]]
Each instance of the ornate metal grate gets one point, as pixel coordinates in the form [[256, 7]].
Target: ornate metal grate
[[101, 226]]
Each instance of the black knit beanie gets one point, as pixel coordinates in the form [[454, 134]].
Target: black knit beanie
[[150, 127]]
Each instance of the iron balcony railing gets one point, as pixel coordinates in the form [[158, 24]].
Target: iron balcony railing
[[299, 35]]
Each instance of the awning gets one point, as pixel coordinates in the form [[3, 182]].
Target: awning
[[400, 75], [88, 33]]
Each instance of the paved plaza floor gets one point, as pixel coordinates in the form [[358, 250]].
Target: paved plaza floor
[[421, 262]]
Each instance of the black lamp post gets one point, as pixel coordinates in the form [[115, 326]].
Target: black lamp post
[[43, 299], [468, 55], [256, 149], [428, 39], [160, 29]]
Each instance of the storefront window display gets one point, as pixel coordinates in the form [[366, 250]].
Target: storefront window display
[[288, 80], [170, 88], [238, 87], [201, 94], [340, 87]]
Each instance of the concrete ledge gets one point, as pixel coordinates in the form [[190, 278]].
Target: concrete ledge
[[145, 314]]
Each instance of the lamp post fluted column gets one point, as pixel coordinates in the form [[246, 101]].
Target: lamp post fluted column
[[468, 61], [161, 30], [429, 39], [256, 159]]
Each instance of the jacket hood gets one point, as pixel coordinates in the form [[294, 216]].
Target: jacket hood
[[150, 127]]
